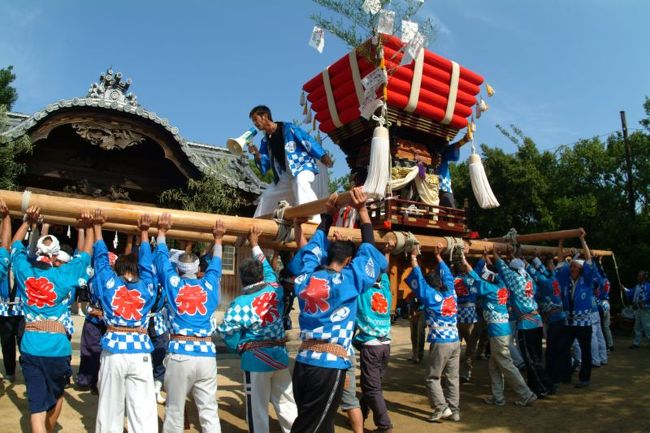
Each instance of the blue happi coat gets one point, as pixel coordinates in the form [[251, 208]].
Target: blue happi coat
[[45, 295], [373, 315], [579, 306], [256, 316], [494, 301], [466, 295], [190, 304], [6, 309], [328, 299], [440, 307], [124, 303], [451, 153], [549, 293], [522, 297], [639, 295], [301, 150]]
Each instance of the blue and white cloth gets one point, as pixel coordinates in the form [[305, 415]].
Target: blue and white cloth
[[450, 154], [577, 296], [328, 299], [440, 307], [522, 296], [125, 304], [301, 150], [191, 303]]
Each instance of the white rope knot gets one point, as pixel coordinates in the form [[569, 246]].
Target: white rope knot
[[379, 119], [405, 243], [285, 228], [455, 248]]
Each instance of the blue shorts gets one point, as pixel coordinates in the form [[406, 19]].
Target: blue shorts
[[45, 377]]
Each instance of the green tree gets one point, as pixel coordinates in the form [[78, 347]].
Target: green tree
[[10, 153], [208, 194], [8, 94], [348, 21]]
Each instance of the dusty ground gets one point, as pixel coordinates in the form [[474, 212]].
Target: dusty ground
[[617, 401]]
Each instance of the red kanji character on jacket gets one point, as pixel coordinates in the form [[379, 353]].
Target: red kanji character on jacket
[[266, 306], [502, 296], [191, 299], [127, 304], [529, 289], [460, 287], [378, 303], [316, 295], [448, 307], [556, 288], [40, 292]]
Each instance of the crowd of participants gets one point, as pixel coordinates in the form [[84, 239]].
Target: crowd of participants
[[150, 322]]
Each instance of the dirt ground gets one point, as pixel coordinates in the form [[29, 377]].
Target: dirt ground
[[617, 401]]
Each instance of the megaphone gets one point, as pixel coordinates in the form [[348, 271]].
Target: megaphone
[[236, 145]]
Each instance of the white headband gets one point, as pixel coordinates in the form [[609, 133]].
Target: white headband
[[48, 250], [191, 268], [63, 257]]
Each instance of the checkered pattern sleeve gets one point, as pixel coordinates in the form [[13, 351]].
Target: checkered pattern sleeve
[[231, 327], [513, 280], [269, 274], [312, 147], [422, 290]]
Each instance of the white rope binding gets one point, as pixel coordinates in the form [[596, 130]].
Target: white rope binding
[[356, 76], [27, 195], [453, 93], [416, 83], [331, 103]]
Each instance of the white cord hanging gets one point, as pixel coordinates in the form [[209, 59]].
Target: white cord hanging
[[480, 184], [115, 241]]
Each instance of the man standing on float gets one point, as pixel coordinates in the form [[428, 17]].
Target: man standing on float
[[292, 155]]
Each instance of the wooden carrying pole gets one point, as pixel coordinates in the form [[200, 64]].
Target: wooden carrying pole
[[547, 236], [202, 223], [315, 207]]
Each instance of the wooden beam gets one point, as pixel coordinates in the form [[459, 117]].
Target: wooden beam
[[316, 207], [202, 223], [545, 236]]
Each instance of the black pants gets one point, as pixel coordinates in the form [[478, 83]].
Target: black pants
[[90, 351], [530, 344], [11, 332], [583, 334], [556, 353], [160, 344], [318, 392], [374, 361]]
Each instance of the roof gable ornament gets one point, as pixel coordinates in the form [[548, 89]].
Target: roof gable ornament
[[112, 88]]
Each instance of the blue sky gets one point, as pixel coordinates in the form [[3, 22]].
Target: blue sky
[[562, 69]]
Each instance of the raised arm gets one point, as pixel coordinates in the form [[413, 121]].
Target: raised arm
[[258, 254], [145, 258], [299, 234], [86, 233], [585, 248], [359, 199], [31, 216], [5, 236]]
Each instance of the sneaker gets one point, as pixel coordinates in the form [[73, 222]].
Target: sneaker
[[582, 384], [527, 401], [437, 415], [455, 417], [494, 401]]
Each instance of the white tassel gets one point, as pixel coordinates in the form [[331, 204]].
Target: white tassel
[[480, 185], [303, 99], [69, 234], [115, 241], [378, 168], [307, 119]]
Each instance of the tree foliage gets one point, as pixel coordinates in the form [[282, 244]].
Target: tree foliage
[[576, 186], [10, 152], [208, 194], [347, 20], [8, 94]]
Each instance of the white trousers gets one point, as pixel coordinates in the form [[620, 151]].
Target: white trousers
[[296, 190], [264, 387], [598, 345], [196, 374], [126, 376]]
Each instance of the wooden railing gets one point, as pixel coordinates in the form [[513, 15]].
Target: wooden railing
[[394, 213]]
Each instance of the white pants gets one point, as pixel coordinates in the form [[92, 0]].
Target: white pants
[[197, 374], [296, 190], [262, 388], [598, 345], [126, 376]]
